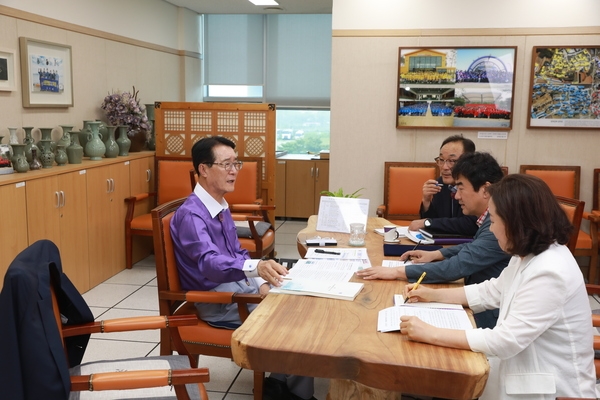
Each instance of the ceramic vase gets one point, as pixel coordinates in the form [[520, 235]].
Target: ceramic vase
[[60, 156], [94, 148], [13, 139], [112, 148], [138, 138], [47, 156], [75, 150], [83, 135], [47, 135], [35, 161], [123, 141], [29, 142], [103, 129], [65, 140], [19, 160]]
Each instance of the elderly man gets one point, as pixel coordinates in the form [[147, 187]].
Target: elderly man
[[478, 261], [440, 212], [209, 255]]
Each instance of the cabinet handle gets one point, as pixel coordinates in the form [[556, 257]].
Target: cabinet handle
[[57, 200], [108, 185], [312, 172], [148, 175], [317, 176], [62, 196], [112, 185]]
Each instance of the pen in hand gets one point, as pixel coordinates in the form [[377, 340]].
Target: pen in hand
[[416, 285], [414, 248], [327, 252]]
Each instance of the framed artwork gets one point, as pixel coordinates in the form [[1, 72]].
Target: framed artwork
[[46, 74], [456, 88], [565, 88], [8, 66]]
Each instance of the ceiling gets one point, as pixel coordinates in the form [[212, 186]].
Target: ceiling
[[245, 7]]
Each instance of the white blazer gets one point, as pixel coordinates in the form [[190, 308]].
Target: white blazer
[[541, 347]]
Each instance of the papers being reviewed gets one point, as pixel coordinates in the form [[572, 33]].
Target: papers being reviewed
[[441, 315]]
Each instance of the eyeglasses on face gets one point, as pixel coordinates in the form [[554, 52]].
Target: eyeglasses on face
[[441, 162], [228, 165]]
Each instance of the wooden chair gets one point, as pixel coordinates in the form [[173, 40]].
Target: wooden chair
[[564, 181], [200, 339], [172, 182], [53, 297], [574, 210], [403, 190], [594, 290]]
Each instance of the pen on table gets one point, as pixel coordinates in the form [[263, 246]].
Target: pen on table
[[413, 249], [416, 285], [327, 252]]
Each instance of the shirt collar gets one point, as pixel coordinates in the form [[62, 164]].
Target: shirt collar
[[213, 206], [482, 217]]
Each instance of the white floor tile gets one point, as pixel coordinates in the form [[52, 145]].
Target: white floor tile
[[108, 294], [134, 276], [146, 298], [291, 227], [287, 251], [100, 349], [222, 372]]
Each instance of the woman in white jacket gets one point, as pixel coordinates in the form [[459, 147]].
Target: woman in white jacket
[[541, 347]]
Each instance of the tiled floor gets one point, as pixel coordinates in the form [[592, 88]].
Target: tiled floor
[[133, 293]]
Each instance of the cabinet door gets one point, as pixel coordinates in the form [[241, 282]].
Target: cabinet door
[[14, 224], [280, 188], [321, 181], [121, 183], [299, 188], [141, 175], [43, 203]]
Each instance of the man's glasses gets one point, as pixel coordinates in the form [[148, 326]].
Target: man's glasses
[[228, 165], [441, 162]]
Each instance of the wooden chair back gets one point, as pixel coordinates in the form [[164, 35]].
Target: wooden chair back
[[172, 179], [574, 210], [596, 194], [403, 188], [563, 180]]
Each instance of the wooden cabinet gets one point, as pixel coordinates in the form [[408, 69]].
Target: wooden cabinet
[[280, 167], [55, 211], [141, 176], [14, 222], [107, 188], [304, 181]]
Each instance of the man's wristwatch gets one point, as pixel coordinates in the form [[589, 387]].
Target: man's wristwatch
[[427, 222]]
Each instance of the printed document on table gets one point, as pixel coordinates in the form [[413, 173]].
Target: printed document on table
[[397, 263], [355, 253], [337, 213], [333, 290], [324, 270], [388, 319]]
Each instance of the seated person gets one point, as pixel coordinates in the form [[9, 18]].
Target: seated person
[[478, 261], [541, 347], [440, 211], [210, 258]]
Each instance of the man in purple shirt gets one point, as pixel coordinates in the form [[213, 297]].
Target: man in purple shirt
[[210, 258]]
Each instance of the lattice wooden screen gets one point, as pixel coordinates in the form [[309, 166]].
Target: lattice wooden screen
[[250, 126]]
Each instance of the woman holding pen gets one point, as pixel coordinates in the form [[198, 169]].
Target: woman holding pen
[[541, 346]]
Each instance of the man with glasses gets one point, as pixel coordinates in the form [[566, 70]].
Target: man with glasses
[[210, 258], [440, 211]]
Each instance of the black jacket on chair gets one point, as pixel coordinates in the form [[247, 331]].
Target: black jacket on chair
[[33, 364]]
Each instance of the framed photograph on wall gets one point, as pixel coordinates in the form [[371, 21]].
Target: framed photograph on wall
[[46, 74], [565, 88], [456, 88], [7, 70]]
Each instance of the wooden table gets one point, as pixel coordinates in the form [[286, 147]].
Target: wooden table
[[338, 339]]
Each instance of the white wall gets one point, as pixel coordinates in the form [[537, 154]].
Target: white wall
[[366, 38]]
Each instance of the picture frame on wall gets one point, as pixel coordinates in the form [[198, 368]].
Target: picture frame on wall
[[8, 66], [565, 87], [456, 88], [46, 73]]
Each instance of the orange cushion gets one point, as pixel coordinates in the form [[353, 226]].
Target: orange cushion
[[405, 189], [206, 334], [142, 222], [561, 183], [584, 241]]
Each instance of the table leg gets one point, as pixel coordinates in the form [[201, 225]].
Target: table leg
[[343, 389]]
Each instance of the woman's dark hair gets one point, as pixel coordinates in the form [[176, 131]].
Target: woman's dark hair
[[202, 150], [532, 216]]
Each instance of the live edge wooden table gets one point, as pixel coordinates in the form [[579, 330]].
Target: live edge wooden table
[[338, 339]]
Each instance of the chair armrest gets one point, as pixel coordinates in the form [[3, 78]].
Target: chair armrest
[[381, 210], [138, 379], [240, 208], [241, 299], [129, 324], [131, 204], [592, 289], [246, 217]]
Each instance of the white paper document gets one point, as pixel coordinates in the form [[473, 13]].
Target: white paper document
[[337, 253], [333, 290], [337, 213], [324, 270], [389, 318], [418, 237]]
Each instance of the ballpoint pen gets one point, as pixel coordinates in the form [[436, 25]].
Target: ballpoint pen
[[327, 252], [413, 249], [416, 285]]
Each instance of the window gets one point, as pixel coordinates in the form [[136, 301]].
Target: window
[[302, 131]]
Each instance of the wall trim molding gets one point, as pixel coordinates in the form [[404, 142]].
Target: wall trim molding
[[27, 16], [580, 30]]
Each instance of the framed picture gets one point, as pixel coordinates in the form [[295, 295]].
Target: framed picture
[[7, 70], [46, 74], [565, 88], [456, 88]]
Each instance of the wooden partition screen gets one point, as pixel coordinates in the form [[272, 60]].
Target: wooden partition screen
[[178, 125]]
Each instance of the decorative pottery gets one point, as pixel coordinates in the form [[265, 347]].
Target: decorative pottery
[[29, 142], [60, 156], [138, 138], [66, 137], [112, 148], [102, 128], [47, 157], [83, 135], [123, 141], [19, 160], [35, 161], [94, 148], [150, 113], [13, 139], [47, 135], [75, 150]]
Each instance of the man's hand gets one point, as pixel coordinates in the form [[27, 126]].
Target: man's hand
[[416, 225], [430, 188], [382, 273], [421, 257], [271, 271], [263, 290]]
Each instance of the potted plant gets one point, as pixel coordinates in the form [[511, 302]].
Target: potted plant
[[340, 193]]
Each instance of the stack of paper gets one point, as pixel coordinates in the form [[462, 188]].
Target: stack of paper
[[441, 315]]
